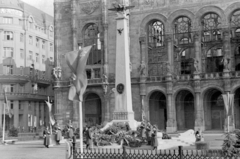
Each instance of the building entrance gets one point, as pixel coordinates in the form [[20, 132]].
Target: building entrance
[[93, 110], [185, 110], [158, 110]]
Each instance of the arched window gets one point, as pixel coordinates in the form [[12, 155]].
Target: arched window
[[211, 27], [237, 58], [93, 36], [182, 30], [156, 49], [235, 23], [214, 60]]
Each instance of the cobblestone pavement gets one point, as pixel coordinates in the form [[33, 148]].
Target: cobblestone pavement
[[32, 150], [36, 150]]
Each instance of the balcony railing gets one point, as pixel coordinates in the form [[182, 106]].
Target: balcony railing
[[24, 96]]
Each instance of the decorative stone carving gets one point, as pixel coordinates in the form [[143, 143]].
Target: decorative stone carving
[[196, 66], [142, 69], [90, 7], [226, 62]]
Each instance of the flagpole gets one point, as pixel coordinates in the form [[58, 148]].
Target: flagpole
[[228, 109], [3, 123], [80, 127]]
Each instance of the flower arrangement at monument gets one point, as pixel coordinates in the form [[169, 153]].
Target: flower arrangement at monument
[[121, 134]]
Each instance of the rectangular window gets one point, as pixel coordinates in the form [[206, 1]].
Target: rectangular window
[[37, 42], [21, 37], [30, 55], [11, 104], [8, 35], [8, 52], [21, 71], [43, 44], [11, 87], [21, 54], [37, 57], [30, 40], [51, 47], [8, 70], [7, 20], [43, 59]]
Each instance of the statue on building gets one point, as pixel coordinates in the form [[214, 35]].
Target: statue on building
[[142, 69], [168, 68], [226, 62], [105, 83], [195, 64], [57, 73]]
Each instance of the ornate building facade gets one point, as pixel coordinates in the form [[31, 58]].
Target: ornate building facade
[[26, 62], [184, 55]]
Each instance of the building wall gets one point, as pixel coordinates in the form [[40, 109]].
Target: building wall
[[198, 89], [29, 79]]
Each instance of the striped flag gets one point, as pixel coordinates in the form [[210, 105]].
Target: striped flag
[[51, 118], [7, 104], [77, 61]]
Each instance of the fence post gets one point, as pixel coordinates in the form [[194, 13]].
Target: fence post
[[73, 148], [124, 152], [180, 152]]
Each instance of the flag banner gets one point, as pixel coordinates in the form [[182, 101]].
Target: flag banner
[[31, 121], [228, 103], [77, 61], [51, 118], [231, 104], [225, 100], [5, 96]]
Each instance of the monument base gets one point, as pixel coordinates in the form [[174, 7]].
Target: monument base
[[132, 123], [171, 129]]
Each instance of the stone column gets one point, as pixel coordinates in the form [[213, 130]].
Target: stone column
[[170, 52], [197, 50], [74, 24], [37, 115], [42, 112], [198, 105], [1, 114], [105, 30], [16, 113], [226, 49], [171, 110], [25, 115], [144, 109]]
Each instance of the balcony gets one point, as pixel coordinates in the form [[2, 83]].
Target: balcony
[[24, 96], [14, 78]]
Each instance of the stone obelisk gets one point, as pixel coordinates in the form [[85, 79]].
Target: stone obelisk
[[123, 95]]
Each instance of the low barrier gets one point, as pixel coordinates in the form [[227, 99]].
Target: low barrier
[[149, 154]]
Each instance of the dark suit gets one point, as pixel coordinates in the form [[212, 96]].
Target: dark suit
[[46, 135]]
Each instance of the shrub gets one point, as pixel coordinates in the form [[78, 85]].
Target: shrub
[[13, 132], [228, 145]]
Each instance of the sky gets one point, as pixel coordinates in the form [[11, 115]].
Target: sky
[[44, 5]]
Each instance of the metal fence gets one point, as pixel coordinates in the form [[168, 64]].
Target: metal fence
[[149, 154]]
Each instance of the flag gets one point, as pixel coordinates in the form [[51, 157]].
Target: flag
[[77, 61], [8, 111], [51, 118], [228, 102]]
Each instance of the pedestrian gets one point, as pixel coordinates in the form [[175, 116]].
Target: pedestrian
[[155, 139], [198, 136], [149, 134], [46, 136], [143, 133], [58, 135], [89, 142], [70, 132]]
